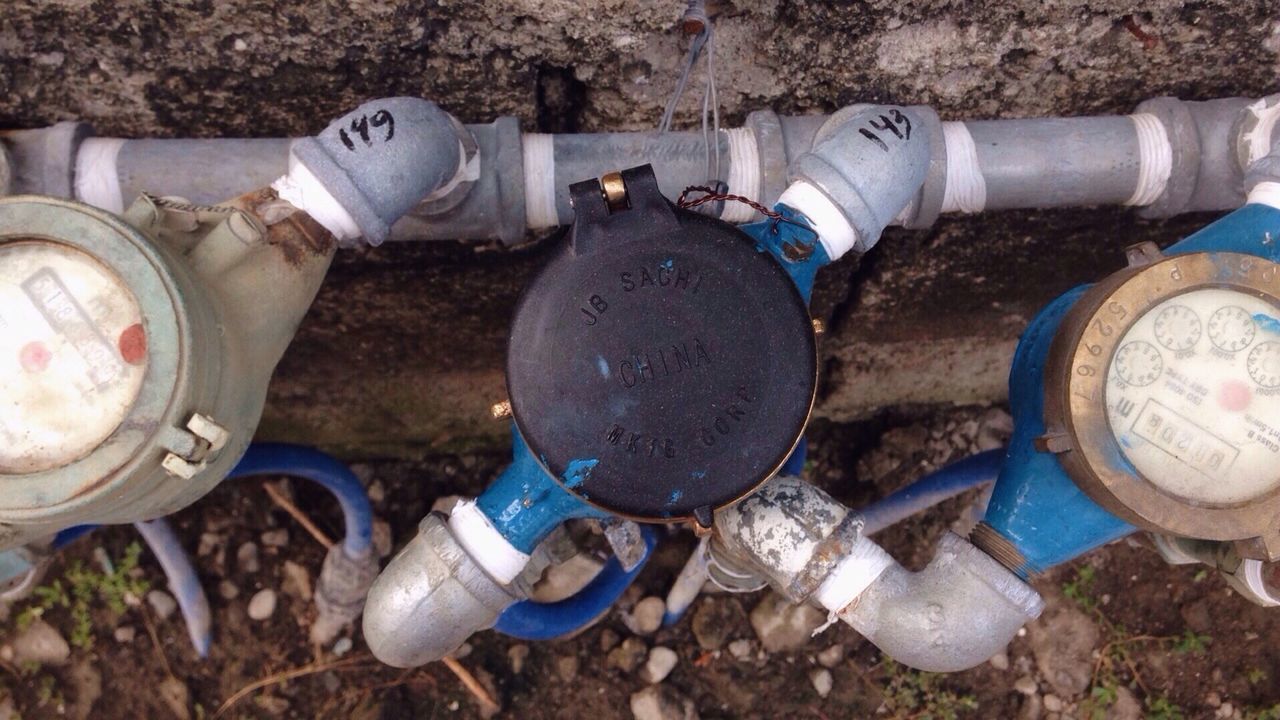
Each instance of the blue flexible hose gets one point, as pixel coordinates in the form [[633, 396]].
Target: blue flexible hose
[[322, 469], [66, 536], [530, 620], [183, 581], [971, 472]]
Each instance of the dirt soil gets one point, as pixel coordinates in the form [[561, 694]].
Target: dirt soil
[[1125, 635]]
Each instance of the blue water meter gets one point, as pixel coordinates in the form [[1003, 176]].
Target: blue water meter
[[1150, 400]]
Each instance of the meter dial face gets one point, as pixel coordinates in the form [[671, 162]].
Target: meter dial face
[[1196, 409], [73, 354], [1177, 327]]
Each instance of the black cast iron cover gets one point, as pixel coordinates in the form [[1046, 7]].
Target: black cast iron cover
[[660, 366]]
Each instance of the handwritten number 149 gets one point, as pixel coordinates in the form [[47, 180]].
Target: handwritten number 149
[[361, 127]]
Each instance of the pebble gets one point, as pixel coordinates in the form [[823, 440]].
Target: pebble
[[1053, 703], [822, 681], [247, 558], [86, 684], [275, 538], [783, 627], [162, 602], [660, 702], [377, 492], [382, 540], [832, 656], [1025, 685], [41, 644], [565, 579], [740, 649], [262, 605], [208, 543], [567, 667], [239, 45], [445, 504], [662, 660], [1226, 710], [177, 696], [228, 590], [714, 621], [608, 640], [1126, 706], [331, 682], [646, 617], [627, 656], [1213, 699], [297, 581], [1062, 641], [994, 430], [125, 634], [518, 654], [1000, 661], [342, 647]]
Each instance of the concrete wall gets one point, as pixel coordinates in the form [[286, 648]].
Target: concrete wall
[[403, 351]]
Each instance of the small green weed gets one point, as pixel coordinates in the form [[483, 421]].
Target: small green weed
[[84, 587], [919, 695]]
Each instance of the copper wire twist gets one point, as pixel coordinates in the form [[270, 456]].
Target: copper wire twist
[[709, 195]]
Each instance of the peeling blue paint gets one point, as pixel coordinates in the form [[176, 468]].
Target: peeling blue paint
[[668, 263], [603, 365], [578, 471], [675, 497], [1267, 323], [698, 474]]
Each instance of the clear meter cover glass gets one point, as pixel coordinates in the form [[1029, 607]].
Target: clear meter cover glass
[[1193, 396], [73, 355]]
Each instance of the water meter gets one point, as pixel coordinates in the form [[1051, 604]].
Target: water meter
[[134, 355], [660, 365], [1162, 394]]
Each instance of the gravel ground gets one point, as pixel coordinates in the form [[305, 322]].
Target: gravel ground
[[1124, 636]]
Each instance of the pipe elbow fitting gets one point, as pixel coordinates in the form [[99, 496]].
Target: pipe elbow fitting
[[429, 599], [382, 159], [869, 163], [789, 532], [960, 610]]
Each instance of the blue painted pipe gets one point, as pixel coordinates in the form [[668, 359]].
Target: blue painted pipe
[[529, 620], [971, 472], [322, 469], [525, 503], [183, 582]]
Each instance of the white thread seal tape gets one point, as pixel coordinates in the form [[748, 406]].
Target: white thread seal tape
[[1258, 140], [966, 188], [853, 575], [834, 231], [1155, 159], [486, 546], [302, 189], [539, 181], [1265, 193], [97, 174], [744, 174]]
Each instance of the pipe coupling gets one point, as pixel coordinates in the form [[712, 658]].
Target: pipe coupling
[[869, 162], [430, 598], [383, 158]]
